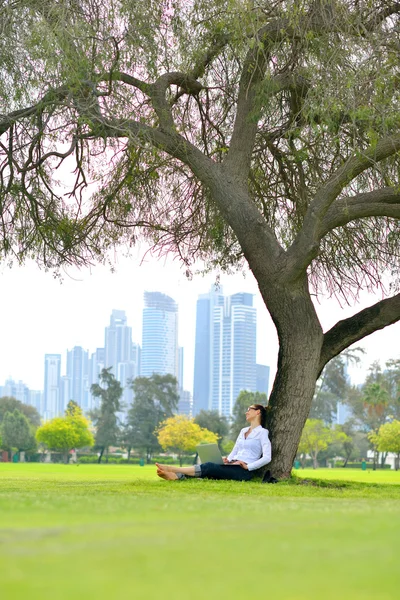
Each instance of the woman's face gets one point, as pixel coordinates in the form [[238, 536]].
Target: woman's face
[[251, 413]]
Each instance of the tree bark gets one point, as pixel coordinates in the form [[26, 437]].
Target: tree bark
[[300, 341]]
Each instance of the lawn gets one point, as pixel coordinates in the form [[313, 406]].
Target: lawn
[[115, 532]]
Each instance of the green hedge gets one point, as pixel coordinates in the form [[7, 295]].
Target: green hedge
[[134, 460], [358, 465]]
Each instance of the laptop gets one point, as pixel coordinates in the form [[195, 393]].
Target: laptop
[[209, 453]]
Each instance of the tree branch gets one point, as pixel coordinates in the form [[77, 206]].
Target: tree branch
[[351, 330], [52, 96], [306, 245], [379, 203]]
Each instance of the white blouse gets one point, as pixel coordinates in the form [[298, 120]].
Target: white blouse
[[255, 450]]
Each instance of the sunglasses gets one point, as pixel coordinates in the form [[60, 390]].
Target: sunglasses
[[251, 408]]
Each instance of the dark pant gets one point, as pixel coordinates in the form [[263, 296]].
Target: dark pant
[[214, 471]]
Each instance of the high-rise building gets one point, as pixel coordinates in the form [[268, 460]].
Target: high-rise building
[[204, 348], [96, 364], [121, 354], [51, 392], [159, 335], [78, 378], [225, 350], [262, 378]]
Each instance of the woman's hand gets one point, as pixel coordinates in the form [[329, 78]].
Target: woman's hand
[[240, 463], [226, 461]]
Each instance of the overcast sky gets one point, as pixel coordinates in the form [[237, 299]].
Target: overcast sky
[[40, 314]]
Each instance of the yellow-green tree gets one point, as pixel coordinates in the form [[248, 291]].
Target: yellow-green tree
[[317, 437], [62, 434], [181, 435], [387, 439]]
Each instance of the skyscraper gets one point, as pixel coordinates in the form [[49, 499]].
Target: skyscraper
[[225, 350], [121, 354], [262, 378], [51, 392], [96, 364], [78, 378], [204, 348], [159, 335], [117, 341]]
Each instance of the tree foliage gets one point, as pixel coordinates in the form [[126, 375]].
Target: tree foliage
[[155, 399], [10, 404], [63, 434], [332, 386], [387, 439], [316, 437], [213, 421], [17, 432], [105, 418], [181, 434]]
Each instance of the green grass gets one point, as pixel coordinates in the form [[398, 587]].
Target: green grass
[[116, 532]]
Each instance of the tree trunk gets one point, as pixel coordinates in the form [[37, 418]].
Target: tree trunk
[[300, 338], [100, 456], [66, 457], [129, 453]]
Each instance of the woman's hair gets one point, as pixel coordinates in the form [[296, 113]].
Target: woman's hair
[[263, 414]]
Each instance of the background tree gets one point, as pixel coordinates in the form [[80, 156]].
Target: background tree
[[73, 409], [63, 434], [392, 385], [16, 432], [9, 404], [243, 401], [213, 421], [181, 435], [387, 439], [105, 418], [237, 131], [316, 437], [155, 399], [332, 386]]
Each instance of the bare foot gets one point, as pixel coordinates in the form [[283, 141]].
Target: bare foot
[[165, 468], [168, 475]]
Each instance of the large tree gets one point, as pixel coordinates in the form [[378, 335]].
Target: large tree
[[17, 432], [155, 399], [213, 421], [105, 417], [10, 404], [63, 434], [233, 130]]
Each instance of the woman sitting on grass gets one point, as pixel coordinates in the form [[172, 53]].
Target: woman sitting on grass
[[251, 451]]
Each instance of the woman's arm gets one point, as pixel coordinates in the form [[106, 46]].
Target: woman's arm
[[266, 453]]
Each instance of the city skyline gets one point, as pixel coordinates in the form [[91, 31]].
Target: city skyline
[[41, 314], [231, 357]]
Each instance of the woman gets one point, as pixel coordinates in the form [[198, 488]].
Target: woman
[[251, 451]]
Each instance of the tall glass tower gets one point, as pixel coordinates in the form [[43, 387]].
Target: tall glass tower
[[204, 355], [160, 335], [121, 354], [78, 378], [225, 351], [51, 392]]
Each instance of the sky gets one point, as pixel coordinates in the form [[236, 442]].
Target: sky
[[41, 314]]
